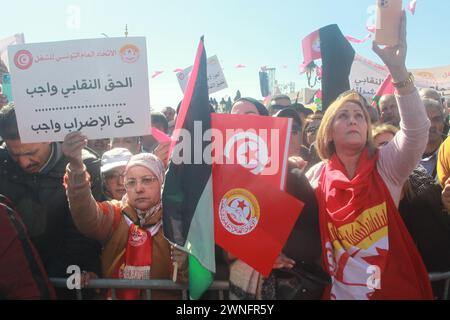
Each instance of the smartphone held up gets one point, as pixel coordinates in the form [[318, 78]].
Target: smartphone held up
[[389, 15]]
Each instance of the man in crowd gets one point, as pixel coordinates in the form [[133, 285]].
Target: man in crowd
[[133, 144], [31, 175], [278, 103], [170, 113], [99, 146], [389, 110], [435, 137], [427, 93], [302, 111], [150, 144]]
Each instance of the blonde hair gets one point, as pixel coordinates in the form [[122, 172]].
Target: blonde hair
[[384, 128], [325, 144]]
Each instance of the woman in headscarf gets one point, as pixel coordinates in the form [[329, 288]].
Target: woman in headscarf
[[366, 247], [131, 231]]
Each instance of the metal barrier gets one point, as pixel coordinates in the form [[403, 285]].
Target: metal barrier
[[440, 276], [147, 285], [220, 286]]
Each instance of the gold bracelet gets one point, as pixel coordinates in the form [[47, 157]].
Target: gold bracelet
[[405, 83]]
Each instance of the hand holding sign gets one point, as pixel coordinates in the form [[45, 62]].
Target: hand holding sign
[[72, 147]]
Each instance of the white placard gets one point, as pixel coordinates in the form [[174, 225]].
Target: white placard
[[366, 77], [97, 86], [216, 78]]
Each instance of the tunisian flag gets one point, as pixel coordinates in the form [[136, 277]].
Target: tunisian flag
[[259, 144], [252, 216], [252, 220]]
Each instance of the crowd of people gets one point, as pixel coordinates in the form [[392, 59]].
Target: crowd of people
[[375, 183]]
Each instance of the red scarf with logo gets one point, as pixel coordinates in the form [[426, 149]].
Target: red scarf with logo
[[135, 263], [367, 249]]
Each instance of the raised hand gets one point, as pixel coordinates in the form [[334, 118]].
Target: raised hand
[[162, 152], [72, 147], [395, 57]]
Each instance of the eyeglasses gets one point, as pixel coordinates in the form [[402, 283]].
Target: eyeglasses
[[146, 181], [114, 176]]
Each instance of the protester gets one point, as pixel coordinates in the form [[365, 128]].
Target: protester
[[130, 230], [22, 275], [281, 100], [366, 248], [435, 136], [132, 144], [428, 93], [423, 213], [170, 114], [159, 122], [312, 124], [249, 106], [307, 149], [389, 110], [383, 133], [99, 146], [31, 175], [113, 166], [296, 137], [302, 111], [149, 143]]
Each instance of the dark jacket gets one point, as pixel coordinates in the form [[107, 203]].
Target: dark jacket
[[41, 200], [428, 223], [304, 243], [303, 246]]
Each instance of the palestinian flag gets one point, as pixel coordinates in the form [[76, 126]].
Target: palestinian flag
[[337, 54], [187, 195], [386, 88]]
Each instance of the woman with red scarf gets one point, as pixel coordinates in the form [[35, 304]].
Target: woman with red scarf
[[130, 230], [367, 250]]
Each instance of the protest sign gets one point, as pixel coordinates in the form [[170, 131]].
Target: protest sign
[[366, 76], [98, 86], [216, 78]]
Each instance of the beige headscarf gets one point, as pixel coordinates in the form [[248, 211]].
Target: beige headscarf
[[155, 165]]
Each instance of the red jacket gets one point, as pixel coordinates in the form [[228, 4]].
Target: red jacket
[[22, 275]]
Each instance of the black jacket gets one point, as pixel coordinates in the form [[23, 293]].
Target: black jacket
[[41, 200], [304, 243]]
